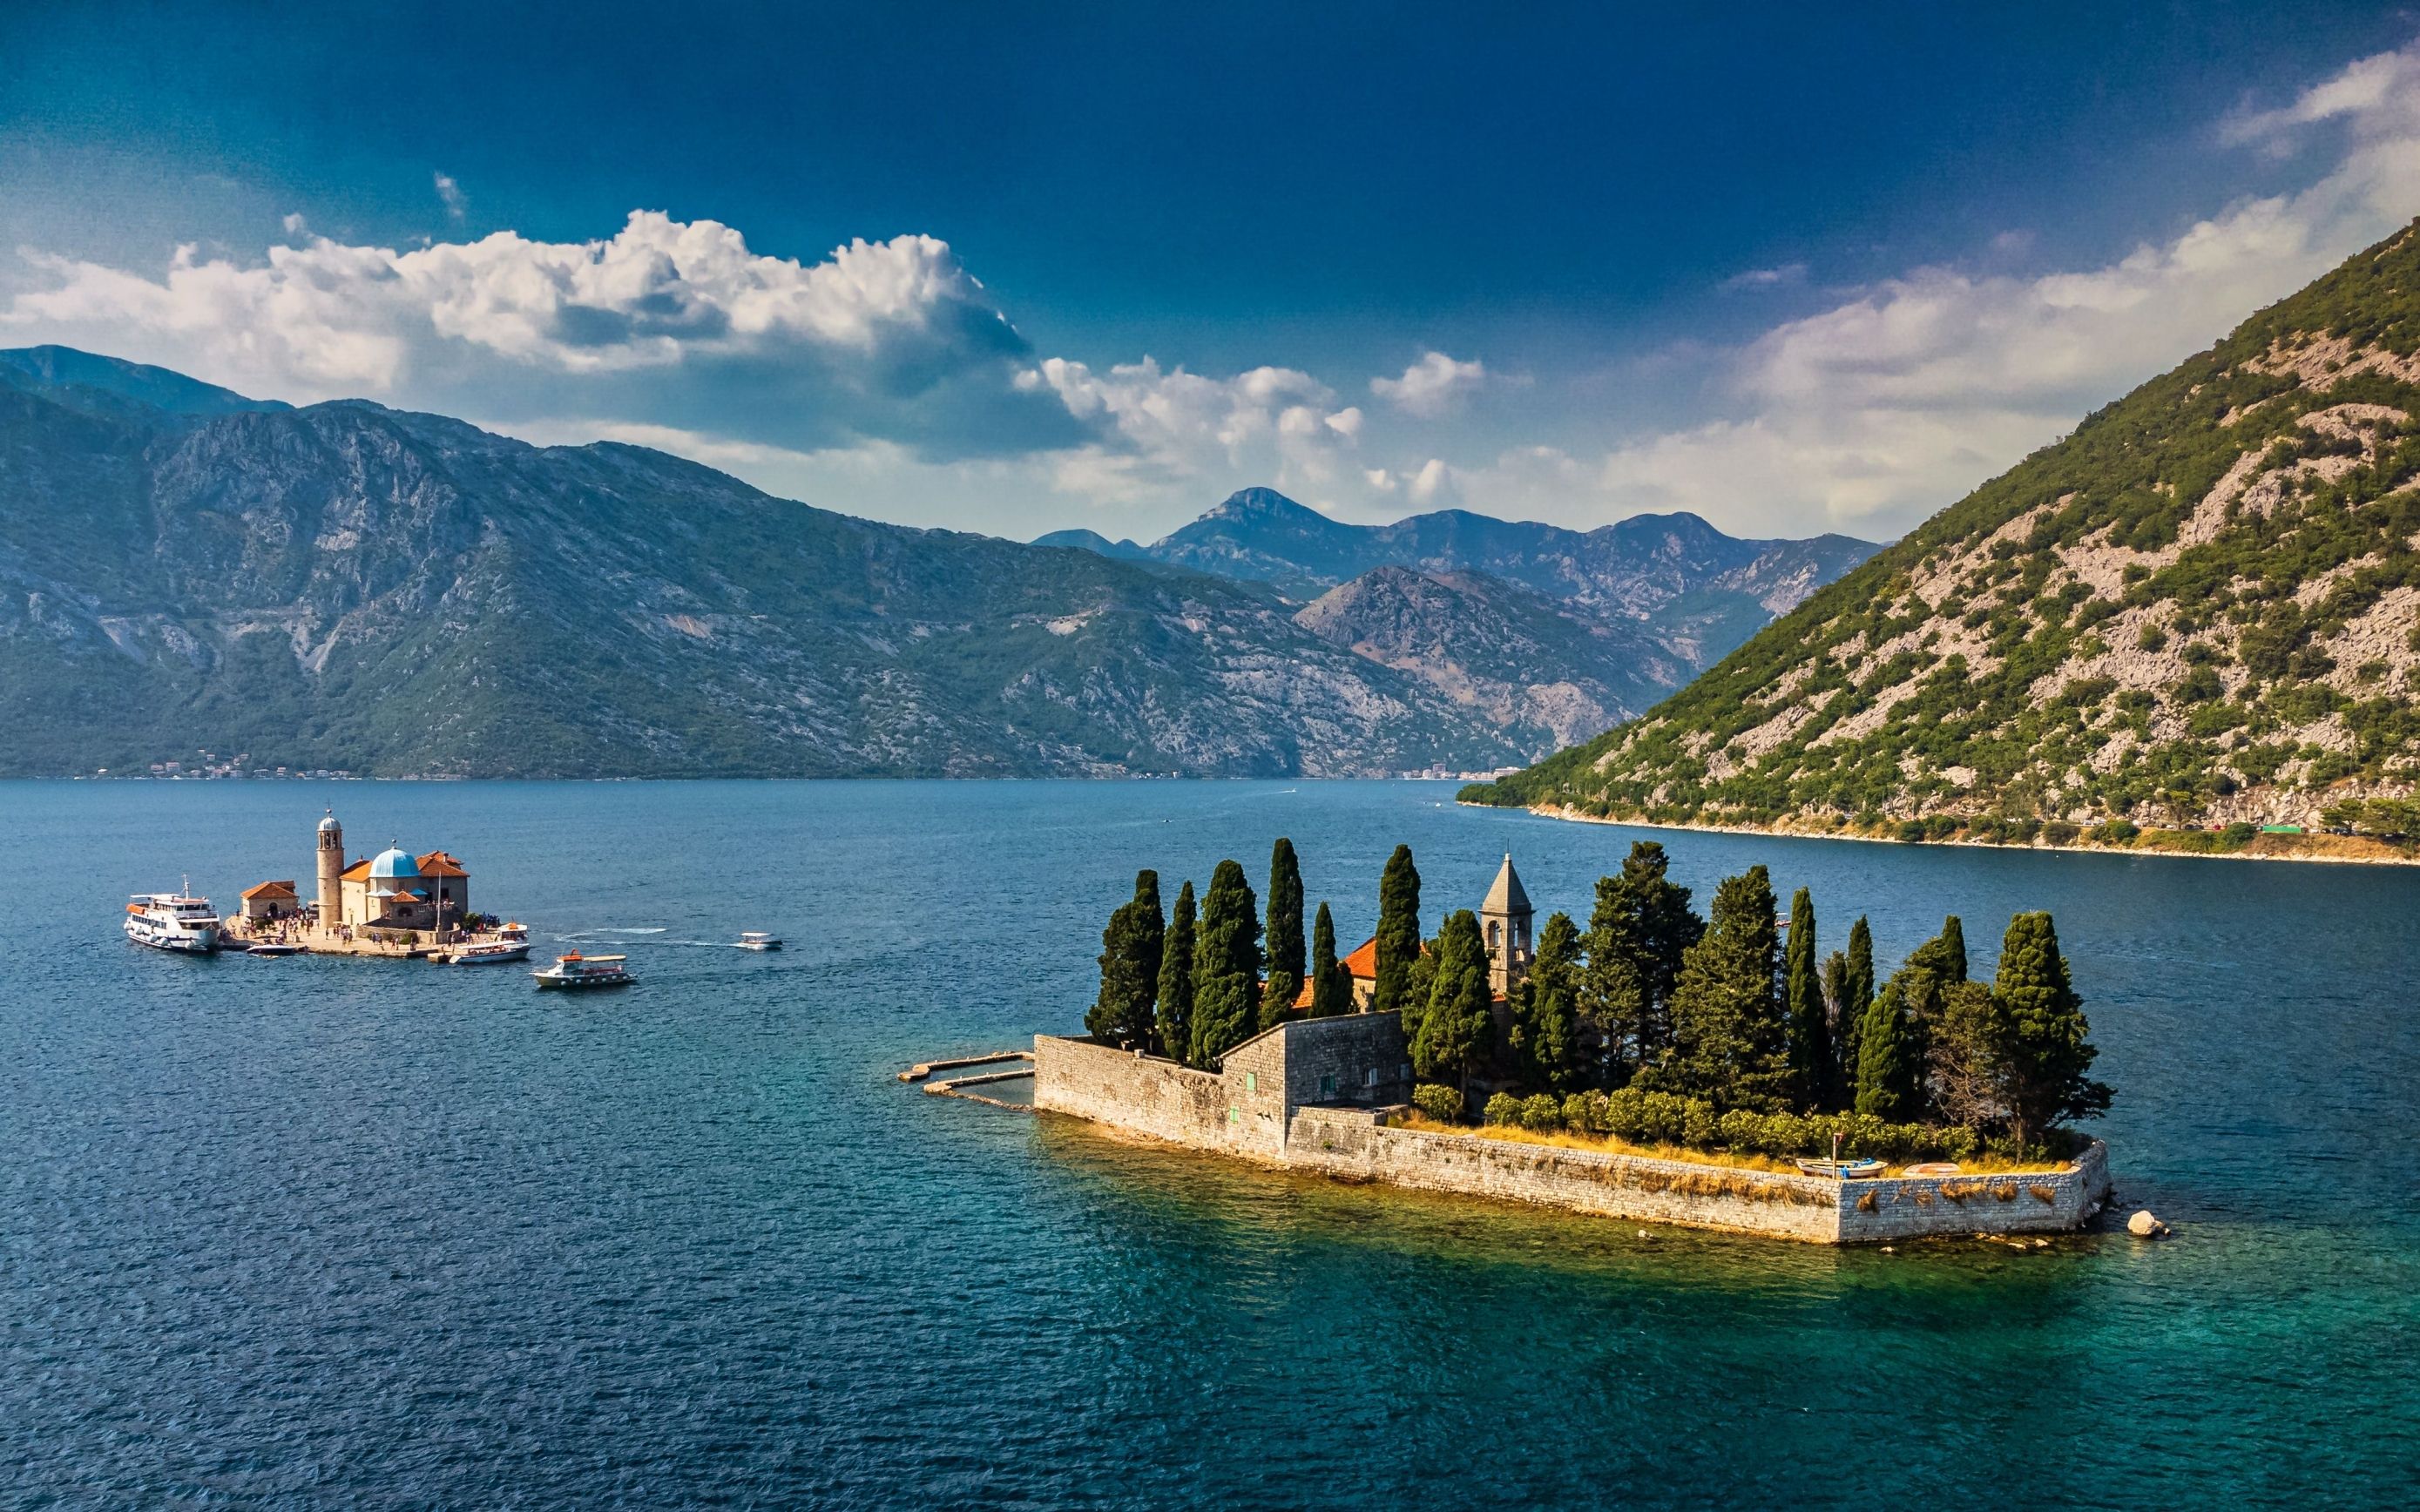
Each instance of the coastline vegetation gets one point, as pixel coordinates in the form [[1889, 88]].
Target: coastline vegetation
[[1653, 1028]]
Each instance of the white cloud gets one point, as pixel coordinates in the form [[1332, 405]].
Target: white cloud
[[1765, 278], [451, 193], [1431, 386]]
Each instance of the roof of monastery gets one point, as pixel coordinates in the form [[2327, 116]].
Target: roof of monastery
[[1505, 896], [394, 862], [439, 864], [358, 871], [270, 890]]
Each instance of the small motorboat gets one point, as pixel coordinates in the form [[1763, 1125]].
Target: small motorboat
[[273, 950], [759, 940], [1843, 1170], [488, 953], [577, 970]]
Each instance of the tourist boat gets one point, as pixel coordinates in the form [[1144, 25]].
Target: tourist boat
[[273, 950], [172, 922], [758, 940], [489, 953], [577, 970]]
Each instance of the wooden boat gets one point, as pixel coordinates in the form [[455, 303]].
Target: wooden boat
[[1845, 1170], [577, 970]]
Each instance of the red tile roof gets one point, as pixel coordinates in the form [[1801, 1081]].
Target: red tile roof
[[1363, 962], [439, 864], [270, 890], [358, 871]]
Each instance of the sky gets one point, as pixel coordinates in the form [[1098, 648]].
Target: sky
[[1015, 267]]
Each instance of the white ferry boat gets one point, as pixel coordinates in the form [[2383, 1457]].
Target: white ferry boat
[[172, 922], [577, 970], [489, 953], [758, 940]]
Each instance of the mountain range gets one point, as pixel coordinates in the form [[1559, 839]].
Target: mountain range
[[342, 584], [2201, 608]]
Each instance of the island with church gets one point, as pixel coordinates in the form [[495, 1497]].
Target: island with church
[[395, 904], [1651, 1064]]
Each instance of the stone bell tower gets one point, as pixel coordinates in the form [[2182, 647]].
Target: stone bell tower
[[1504, 923], [332, 867]]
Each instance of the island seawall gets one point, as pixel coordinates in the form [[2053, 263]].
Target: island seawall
[[1311, 1094]]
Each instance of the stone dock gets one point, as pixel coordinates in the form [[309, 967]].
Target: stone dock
[[1314, 1094]]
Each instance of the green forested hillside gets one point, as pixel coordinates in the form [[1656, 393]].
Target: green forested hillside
[[2198, 609]]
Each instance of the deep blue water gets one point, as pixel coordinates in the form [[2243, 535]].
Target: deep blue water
[[367, 1234]]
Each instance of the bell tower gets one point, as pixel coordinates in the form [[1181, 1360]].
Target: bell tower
[[1504, 923], [332, 867]]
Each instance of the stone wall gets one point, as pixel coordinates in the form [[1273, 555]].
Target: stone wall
[[1353, 1144], [1311, 1093]]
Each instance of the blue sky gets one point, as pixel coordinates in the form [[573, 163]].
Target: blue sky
[[1012, 267]]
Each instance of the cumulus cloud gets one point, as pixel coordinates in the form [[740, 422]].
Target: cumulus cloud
[[1431, 386]]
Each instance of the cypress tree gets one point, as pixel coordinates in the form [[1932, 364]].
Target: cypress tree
[[1730, 1034], [1811, 1034], [1850, 1009], [1130, 967], [1459, 1028], [1944, 954], [1285, 936], [1637, 936], [1175, 1018], [1887, 1063], [1399, 934], [1331, 984], [2046, 1047], [1545, 1032], [1226, 966]]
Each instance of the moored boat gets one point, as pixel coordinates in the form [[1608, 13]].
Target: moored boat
[[273, 950], [488, 953], [758, 940], [172, 922], [577, 970]]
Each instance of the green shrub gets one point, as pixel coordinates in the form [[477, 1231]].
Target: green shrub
[[1502, 1109], [1542, 1113], [2059, 832], [2237, 835], [2116, 832], [1911, 831], [1443, 1104]]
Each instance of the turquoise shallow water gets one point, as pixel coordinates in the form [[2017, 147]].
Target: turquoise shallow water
[[333, 1233]]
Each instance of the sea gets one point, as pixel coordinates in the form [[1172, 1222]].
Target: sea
[[348, 1233]]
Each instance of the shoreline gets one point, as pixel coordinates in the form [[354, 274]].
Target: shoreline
[[1568, 814]]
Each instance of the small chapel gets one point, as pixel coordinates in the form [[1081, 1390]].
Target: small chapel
[[392, 890], [1505, 922]]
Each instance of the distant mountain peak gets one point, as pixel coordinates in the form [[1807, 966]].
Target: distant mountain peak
[[63, 370]]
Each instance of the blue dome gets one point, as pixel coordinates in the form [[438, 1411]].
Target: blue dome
[[394, 864]]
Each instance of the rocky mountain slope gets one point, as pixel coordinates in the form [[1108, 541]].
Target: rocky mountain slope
[[346, 585], [2202, 607], [1545, 673], [1699, 592]]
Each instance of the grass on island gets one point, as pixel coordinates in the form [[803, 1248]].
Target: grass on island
[[1609, 1144]]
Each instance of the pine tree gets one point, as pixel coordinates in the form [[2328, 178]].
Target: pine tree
[[1285, 936], [1546, 1036], [1226, 966], [1887, 1060], [1130, 967], [1175, 1019], [1810, 1035], [1459, 1028], [1399, 934], [1965, 1081], [1730, 1034], [1852, 1008], [1331, 984], [1637, 935], [2046, 1046]]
